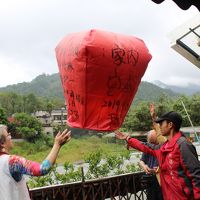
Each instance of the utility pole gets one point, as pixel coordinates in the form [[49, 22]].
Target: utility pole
[[190, 122], [62, 115]]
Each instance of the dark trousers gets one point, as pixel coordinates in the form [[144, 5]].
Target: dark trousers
[[152, 187]]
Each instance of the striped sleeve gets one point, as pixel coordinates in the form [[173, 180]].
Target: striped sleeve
[[19, 165]]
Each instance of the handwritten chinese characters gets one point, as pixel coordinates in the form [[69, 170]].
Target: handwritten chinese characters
[[122, 56]]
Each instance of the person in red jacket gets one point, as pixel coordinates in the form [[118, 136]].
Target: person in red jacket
[[177, 158]]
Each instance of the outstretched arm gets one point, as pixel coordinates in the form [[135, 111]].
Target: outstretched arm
[[134, 143], [19, 165], [60, 139], [122, 136]]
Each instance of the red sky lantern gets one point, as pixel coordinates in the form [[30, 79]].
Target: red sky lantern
[[100, 74]]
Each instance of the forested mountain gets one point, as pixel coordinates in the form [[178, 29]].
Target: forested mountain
[[150, 92], [50, 86], [43, 85], [189, 89]]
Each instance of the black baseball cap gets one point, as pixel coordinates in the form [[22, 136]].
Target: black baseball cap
[[171, 116]]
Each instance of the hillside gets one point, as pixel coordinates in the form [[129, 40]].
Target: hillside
[[43, 85], [50, 86], [189, 89], [150, 92]]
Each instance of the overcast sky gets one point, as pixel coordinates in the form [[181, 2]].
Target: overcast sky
[[31, 29]]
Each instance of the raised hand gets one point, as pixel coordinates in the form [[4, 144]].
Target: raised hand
[[120, 135], [152, 111], [62, 138]]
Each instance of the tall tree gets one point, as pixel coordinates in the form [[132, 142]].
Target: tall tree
[[194, 109], [138, 118], [3, 118], [27, 126], [178, 107]]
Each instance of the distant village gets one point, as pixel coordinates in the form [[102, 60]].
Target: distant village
[[48, 120], [59, 117]]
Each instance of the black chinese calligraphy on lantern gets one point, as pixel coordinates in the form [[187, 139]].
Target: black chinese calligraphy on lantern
[[100, 74]]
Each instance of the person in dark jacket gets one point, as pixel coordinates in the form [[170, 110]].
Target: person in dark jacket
[[150, 166], [177, 158]]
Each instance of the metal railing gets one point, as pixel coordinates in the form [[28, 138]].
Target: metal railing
[[121, 187]]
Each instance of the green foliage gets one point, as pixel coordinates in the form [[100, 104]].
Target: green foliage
[[150, 92], [102, 158], [33, 151], [114, 161], [28, 126], [110, 164], [70, 174], [31, 103], [138, 118], [27, 103], [194, 109], [49, 87], [47, 140], [13, 103], [95, 168], [10, 102], [3, 119], [47, 95], [59, 127], [73, 151], [40, 181], [177, 106], [164, 104], [98, 166], [132, 168], [27, 133]]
